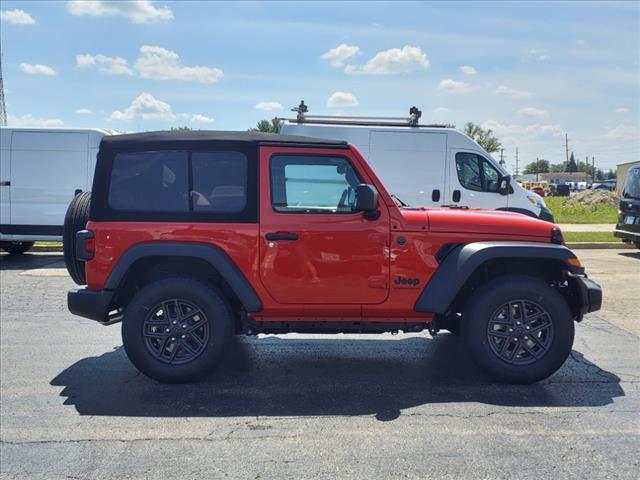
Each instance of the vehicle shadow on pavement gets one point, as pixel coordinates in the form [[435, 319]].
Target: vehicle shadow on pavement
[[311, 377], [635, 255], [28, 261]]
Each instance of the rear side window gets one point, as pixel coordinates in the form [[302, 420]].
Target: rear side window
[[150, 182], [182, 185], [312, 184], [219, 181]]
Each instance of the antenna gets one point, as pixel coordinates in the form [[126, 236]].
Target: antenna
[[3, 109]]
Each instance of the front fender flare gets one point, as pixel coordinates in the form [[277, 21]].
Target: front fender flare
[[460, 263], [211, 254]]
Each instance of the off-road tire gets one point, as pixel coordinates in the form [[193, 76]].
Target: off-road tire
[[17, 248], [487, 300], [75, 220], [206, 298]]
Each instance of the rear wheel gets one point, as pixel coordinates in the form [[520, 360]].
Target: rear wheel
[[75, 220], [518, 329], [636, 243], [17, 248], [175, 330]]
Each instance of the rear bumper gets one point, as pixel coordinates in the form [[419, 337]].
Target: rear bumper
[[590, 294], [625, 234], [92, 304]]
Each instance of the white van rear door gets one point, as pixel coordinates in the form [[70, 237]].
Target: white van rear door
[[46, 169], [411, 164]]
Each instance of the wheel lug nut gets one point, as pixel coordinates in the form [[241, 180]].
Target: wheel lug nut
[[183, 337], [167, 330], [184, 325], [175, 322], [526, 338], [527, 327], [511, 330], [515, 339], [173, 339]]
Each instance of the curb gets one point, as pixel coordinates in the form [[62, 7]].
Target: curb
[[599, 245]]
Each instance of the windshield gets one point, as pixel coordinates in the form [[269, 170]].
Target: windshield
[[631, 188]]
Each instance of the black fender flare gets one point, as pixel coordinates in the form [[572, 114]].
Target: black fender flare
[[461, 261], [211, 254]]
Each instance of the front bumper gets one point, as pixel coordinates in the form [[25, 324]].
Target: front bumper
[[92, 304], [625, 234], [590, 294]]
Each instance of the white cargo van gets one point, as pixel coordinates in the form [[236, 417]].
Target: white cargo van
[[40, 172], [424, 165]]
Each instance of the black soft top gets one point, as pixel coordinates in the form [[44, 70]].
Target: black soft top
[[172, 138]]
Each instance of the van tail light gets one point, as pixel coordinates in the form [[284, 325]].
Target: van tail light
[[85, 245]]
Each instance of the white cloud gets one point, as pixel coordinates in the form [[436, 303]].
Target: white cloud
[[395, 61], [138, 11], [31, 121], [199, 118], [83, 111], [440, 110], [337, 57], [539, 54], [110, 65], [37, 69], [532, 112], [454, 86], [146, 107], [468, 70], [161, 64], [342, 99], [17, 17], [269, 106], [622, 110], [526, 130], [510, 92], [623, 132]]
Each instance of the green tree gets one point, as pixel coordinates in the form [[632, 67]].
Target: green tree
[[558, 167], [572, 166], [267, 126], [484, 138], [181, 129], [539, 166]]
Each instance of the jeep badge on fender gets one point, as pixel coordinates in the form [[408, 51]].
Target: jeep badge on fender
[[406, 282]]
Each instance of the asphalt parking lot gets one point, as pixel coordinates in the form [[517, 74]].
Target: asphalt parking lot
[[301, 406]]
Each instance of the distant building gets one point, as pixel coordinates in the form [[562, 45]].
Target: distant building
[[621, 173], [554, 178]]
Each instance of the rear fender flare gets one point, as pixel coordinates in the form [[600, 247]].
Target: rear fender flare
[[211, 254]]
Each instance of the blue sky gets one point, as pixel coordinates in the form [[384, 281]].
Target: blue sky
[[530, 71]]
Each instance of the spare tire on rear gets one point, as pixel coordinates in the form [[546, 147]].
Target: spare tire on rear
[[75, 220]]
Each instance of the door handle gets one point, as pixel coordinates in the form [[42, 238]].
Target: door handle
[[435, 195], [5, 184], [456, 195], [281, 236]]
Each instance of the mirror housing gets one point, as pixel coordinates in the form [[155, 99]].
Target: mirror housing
[[505, 184], [367, 201]]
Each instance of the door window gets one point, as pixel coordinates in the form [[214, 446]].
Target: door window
[[477, 173], [312, 184]]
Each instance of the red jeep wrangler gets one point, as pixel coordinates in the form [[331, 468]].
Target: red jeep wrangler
[[191, 237]]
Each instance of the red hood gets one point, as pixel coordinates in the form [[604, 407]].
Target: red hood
[[475, 221], [487, 221]]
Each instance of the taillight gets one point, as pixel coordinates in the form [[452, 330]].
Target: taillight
[[85, 245]]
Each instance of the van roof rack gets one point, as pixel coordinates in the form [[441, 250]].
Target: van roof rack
[[411, 121]]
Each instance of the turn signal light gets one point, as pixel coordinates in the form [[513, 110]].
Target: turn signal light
[[575, 262]]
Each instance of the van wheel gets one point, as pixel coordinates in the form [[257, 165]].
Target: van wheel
[[175, 330], [518, 329], [17, 248], [75, 220]]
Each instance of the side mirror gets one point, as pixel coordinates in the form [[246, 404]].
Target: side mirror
[[505, 183], [367, 201]]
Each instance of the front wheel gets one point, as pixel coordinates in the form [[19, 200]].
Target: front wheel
[[17, 248], [175, 330], [518, 329]]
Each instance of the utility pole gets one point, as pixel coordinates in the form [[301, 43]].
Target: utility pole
[[517, 168], [502, 156], [593, 168], [587, 169], [566, 146], [537, 168], [3, 109]]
